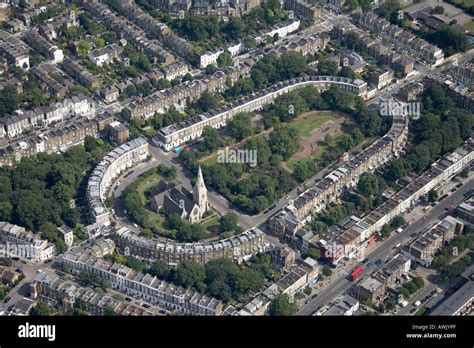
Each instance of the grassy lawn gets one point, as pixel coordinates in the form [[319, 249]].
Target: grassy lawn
[[469, 26], [466, 2], [211, 224], [210, 161], [145, 183], [321, 147], [304, 125], [421, 311]]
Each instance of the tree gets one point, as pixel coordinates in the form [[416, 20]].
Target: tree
[[291, 64], [109, 311], [206, 102], [449, 40], [250, 43], [327, 67], [405, 293], [390, 306], [304, 169], [50, 232], [240, 125], [6, 261], [326, 271], [134, 263], [104, 284], [385, 231], [228, 222], [83, 48], [411, 287], [289, 106], [143, 63], [99, 42], [159, 268], [41, 309], [6, 210], [90, 143], [126, 114], [346, 71], [419, 282], [284, 140], [368, 184], [366, 5], [432, 196], [234, 28], [439, 9], [211, 139], [396, 170], [389, 10], [221, 290], [210, 69], [319, 227], [397, 221], [351, 40], [189, 273], [313, 253], [9, 101], [224, 59], [281, 306], [187, 77]]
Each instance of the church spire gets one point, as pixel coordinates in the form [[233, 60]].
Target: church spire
[[200, 191], [200, 180]]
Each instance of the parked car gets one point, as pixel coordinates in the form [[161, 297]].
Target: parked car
[[412, 311]]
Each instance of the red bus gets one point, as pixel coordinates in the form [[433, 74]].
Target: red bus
[[372, 239], [355, 273]]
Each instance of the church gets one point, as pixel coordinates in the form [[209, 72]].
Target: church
[[189, 205]]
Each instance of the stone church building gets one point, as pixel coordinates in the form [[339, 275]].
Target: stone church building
[[189, 205]]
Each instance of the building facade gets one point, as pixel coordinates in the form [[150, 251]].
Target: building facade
[[113, 164], [238, 248]]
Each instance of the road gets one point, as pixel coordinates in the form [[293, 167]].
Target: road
[[385, 249], [423, 70], [22, 289], [429, 287]]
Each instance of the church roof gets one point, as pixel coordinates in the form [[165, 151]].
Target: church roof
[[175, 200]]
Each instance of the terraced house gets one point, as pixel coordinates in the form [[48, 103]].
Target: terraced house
[[131, 32], [174, 135], [238, 248], [402, 39], [115, 162], [64, 295], [143, 286]]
